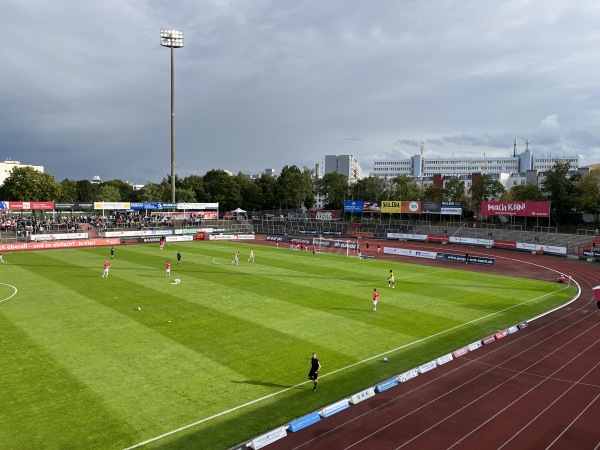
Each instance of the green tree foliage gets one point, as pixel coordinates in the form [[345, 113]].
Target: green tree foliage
[[250, 193], [371, 188], [334, 189], [267, 185], [404, 187], [561, 191], [486, 189], [222, 188], [109, 193], [165, 189], [153, 192], [454, 191], [27, 184], [308, 187], [433, 193], [67, 191], [86, 191], [184, 195], [524, 193], [588, 190], [294, 187], [196, 184], [125, 189]]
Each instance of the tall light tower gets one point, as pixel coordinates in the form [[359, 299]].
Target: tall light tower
[[172, 39]]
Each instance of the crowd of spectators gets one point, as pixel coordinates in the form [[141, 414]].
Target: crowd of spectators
[[25, 225]]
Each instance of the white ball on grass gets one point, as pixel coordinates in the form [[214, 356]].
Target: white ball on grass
[[139, 308], [385, 359]]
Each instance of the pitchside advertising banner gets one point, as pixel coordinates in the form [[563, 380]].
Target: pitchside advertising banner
[[416, 207], [390, 206], [152, 205], [451, 208], [49, 206], [395, 207], [519, 209], [325, 215], [431, 207], [74, 206], [28, 206], [405, 207], [353, 206]]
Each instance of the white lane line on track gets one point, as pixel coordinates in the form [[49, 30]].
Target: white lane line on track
[[433, 381], [544, 410], [573, 421], [475, 400], [185, 427], [169, 433]]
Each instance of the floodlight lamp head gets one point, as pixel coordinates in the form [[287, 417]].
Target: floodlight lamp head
[[171, 38]]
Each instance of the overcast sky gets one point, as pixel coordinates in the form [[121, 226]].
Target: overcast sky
[[265, 83]]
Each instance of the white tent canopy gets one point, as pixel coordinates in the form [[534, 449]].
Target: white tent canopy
[[238, 211]]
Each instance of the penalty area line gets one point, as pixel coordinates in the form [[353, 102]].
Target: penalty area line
[[10, 296]]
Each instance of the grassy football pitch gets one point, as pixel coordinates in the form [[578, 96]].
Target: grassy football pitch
[[227, 350]]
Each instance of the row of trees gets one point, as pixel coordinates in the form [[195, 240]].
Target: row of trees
[[569, 196], [296, 187], [292, 189]]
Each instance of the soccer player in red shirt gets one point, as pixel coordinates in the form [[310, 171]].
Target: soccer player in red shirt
[[375, 299], [168, 269], [106, 267]]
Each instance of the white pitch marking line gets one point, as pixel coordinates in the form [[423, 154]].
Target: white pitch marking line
[[480, 397], [185, 427], [10, 296], [430, 382]]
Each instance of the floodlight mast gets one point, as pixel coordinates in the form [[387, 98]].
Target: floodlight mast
[[172, 39]]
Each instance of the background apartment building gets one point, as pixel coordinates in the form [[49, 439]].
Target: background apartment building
[[6, 167], [344, 164]]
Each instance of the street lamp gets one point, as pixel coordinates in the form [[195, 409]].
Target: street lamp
[[172, 39]]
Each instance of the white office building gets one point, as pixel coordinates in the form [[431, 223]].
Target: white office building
[[419, 167], [6, 167]]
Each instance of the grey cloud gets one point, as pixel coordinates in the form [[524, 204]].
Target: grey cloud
[[262, 84]]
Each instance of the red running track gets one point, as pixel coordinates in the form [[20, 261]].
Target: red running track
[[538, 388]]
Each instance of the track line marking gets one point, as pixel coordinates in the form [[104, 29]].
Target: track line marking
[[573, 421], [584, 276], [547, 407], [473, 401], [434, 380], [185, 427]]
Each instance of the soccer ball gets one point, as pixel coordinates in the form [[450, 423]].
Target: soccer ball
[[139, 308], [385, 359]]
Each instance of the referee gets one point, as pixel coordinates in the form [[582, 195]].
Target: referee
[[315, 366]]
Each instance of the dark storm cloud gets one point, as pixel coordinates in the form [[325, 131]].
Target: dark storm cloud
[[86, 87]]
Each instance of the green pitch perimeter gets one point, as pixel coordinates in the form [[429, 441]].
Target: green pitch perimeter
[[227, 350]]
